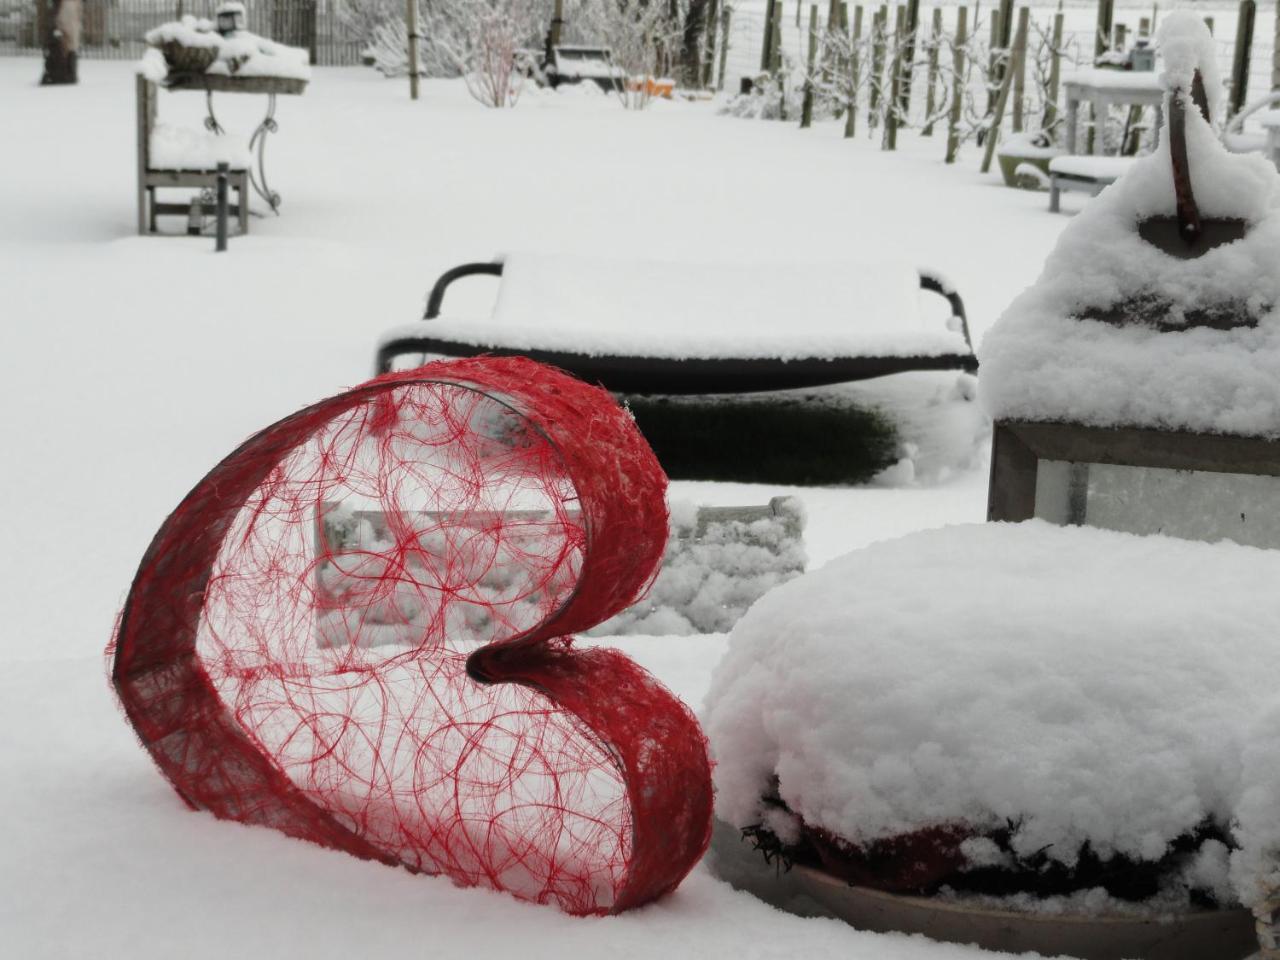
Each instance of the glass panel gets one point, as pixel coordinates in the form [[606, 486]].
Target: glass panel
[[1192, 504]]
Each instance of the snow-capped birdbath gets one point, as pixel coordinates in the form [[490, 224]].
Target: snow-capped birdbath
[[1041, 735]]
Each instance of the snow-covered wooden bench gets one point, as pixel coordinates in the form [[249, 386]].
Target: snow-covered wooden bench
[[718, 562], [647, 327], [173, 156], [1085, 173]]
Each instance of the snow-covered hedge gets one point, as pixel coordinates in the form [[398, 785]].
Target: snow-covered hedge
[[1029, 693]]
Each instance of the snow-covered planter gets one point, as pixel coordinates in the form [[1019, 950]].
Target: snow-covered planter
[[1024, 150], [1014, 717]]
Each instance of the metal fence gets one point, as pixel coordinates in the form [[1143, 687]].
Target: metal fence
[[113, 29]]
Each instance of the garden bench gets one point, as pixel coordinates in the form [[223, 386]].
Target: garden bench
[[1085, 173], [652, 328], [173, 156]]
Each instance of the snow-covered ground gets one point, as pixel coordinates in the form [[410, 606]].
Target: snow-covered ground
[[131, 364]]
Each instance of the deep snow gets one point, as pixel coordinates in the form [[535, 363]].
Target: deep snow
[[131, 364]]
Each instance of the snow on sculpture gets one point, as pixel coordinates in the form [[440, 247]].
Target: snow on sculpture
[[355, 630], [1060, 718]]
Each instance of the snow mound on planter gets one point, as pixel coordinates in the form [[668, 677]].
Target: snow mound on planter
[[1084, 685], [1041, 362]]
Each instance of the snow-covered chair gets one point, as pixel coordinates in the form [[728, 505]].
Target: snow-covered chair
[[1086, 173], [175, 156], [651, 327]]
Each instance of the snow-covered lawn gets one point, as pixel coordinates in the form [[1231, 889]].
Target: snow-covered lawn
[[131, 364]]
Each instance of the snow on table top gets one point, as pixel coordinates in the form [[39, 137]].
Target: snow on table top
[[1113, 80], [659, 309], [1088, 684], [240, 53], [1040, 362], [1269, 119]]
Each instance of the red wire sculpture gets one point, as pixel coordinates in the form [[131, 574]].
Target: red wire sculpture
[[356, 629]]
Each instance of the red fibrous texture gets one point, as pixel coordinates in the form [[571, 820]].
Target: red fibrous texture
[[356, 629]]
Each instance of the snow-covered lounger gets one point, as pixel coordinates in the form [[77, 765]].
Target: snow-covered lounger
[[649, 327]]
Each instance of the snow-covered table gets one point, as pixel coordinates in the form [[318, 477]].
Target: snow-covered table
[[1105, 88], [222, 83]]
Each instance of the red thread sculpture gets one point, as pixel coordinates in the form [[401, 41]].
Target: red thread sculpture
[[356, 629]]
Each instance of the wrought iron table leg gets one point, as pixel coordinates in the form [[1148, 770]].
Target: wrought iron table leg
[[211, 121], [258, 145]]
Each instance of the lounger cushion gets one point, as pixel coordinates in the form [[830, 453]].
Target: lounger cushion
[[690, 310]]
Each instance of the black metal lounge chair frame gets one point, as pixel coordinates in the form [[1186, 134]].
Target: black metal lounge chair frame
[[685, 376]]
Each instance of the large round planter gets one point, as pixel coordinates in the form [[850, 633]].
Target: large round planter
[[1195, 935]]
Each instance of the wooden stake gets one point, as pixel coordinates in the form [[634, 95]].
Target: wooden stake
[[411, 20], [1275, 53], [806, 107], [709, 43], [1102, 34], [931, 94], [1020, 83], [1243, 55], [775, 40], [766, 49], [855, 66], [1055, 74], [891, 115], [957, 93], [726, 13], [1019, 47], [878, 30], [912, 27]]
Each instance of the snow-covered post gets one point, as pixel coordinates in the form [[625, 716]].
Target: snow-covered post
[[879, 28], [891, 115], [855, 70], [931, 94], [1019, 67], [726, 15], [1019, 48], [1243, 56], [806, 107], [910, 29], [1102, 33], [411, 21], [1275, 52], [62, 43], [957, 94], [1055, 73], [766, 49]]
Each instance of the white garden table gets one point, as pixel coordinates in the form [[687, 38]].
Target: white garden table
[[1106, 88]]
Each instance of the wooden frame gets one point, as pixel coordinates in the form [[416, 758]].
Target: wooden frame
[[1018, 446], [151, 178]]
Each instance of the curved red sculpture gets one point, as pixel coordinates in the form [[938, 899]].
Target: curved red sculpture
[[356, 629]]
